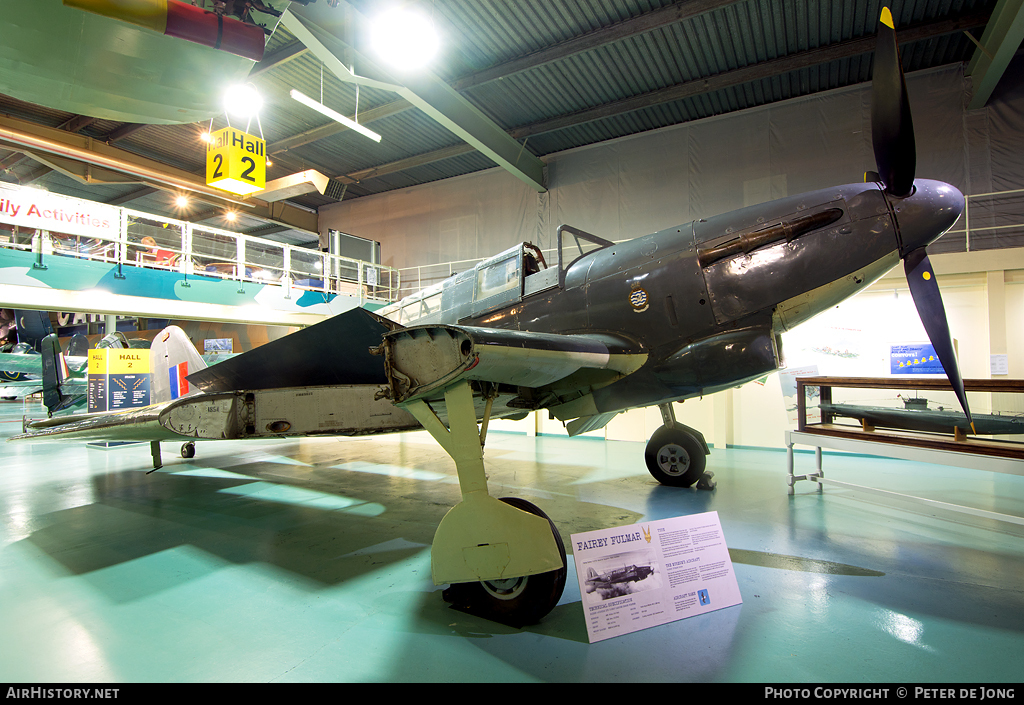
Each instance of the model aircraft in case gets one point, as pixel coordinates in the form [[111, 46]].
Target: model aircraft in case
[[680, 313]]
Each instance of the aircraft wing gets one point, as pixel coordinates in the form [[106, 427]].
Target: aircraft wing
[[345, 376], [335, 351], [20, 389], [33, 364], [545, 370], [26, 364]]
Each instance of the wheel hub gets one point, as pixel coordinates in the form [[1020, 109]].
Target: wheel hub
[[507, 589], [673, 459]]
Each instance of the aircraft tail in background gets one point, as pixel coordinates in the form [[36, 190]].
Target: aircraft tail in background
[[33, 327], [172, 357]]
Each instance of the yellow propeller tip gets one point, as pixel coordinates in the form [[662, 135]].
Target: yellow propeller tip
[[886, 18], [972, 429]]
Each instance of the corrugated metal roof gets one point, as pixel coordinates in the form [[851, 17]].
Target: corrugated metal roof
[[524, 63]]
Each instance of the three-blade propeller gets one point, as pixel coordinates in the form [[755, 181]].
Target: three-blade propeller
[[892, 136]]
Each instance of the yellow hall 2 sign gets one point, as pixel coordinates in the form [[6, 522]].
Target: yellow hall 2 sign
[[236, 161]]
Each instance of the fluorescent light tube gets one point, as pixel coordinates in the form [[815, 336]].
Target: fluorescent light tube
[[323, 109]]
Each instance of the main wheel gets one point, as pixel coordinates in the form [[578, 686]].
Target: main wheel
[[674, 457], [520, 600]]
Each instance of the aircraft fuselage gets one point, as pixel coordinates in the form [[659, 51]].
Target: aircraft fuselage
[[706, 300]]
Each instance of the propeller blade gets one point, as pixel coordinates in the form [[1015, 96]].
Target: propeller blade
[[892, 129], [925, 292]]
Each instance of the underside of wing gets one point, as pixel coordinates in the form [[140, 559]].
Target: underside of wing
[[521, 370]]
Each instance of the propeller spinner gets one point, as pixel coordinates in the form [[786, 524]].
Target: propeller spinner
[[892, 136]]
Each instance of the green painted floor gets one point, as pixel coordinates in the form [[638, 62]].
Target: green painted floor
[[309, 561]]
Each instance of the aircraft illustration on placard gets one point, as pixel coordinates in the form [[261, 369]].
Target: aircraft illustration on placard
[[680, 313], [609, 580]]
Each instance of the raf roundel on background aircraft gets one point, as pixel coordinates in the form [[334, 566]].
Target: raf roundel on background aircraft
[[676, 314]]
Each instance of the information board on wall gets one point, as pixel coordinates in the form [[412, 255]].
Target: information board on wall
[[218, 345], [914, 359], [118, 379], [641, 576]]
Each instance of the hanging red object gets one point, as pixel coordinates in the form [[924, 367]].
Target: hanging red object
[[177, 19]]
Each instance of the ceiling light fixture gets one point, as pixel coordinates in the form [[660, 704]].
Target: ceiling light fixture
[[324, 110], [242, 101], [405, 39]]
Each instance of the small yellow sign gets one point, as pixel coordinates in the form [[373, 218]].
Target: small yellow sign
[[236, 161], [130, 361], [98, 361]]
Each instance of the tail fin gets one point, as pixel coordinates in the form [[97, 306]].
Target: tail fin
[[172, 358], [33, 327], [55, 371]]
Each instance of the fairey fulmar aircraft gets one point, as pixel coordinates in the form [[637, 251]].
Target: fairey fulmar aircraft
[[615, 578], [679, 313]]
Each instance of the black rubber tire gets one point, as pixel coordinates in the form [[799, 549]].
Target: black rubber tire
[[524, 600], [188, 450], [674, 457]]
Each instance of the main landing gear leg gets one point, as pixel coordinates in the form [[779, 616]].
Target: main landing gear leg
[[503, 558], [676, 455]]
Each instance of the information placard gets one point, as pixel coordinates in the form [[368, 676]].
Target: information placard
[[914, 359], [118, 379], [641, 576]]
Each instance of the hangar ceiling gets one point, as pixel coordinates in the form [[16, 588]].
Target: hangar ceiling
[[515, 80]]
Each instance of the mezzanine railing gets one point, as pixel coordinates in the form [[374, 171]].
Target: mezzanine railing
[[146, 240]]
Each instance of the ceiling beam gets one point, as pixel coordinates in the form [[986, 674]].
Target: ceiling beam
[[128, 128], [410, 162], [291, 50], [747, 74], [999, 42], [34, 174], [132, 195], [82, 171], [320, 27], [78, 122], [12, 160], [641, 24]]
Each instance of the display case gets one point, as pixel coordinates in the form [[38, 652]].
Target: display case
[[911, 418], [916, 411]]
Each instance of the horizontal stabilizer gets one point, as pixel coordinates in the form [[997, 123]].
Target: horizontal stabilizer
[[333, 352]]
